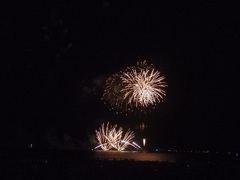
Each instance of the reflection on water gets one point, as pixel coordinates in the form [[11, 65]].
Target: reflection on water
[[164, 156], [137, 156]]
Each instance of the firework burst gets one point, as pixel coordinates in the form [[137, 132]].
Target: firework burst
[[137, 87], [102, 135], [143, 85], [113, 94], [111, 137]]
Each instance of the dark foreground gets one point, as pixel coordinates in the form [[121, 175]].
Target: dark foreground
[[87, 165]]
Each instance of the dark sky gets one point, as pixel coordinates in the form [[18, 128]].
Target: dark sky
[[55, 59]]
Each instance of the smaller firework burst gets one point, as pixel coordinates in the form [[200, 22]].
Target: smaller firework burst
[[111, 137], [113, 94]]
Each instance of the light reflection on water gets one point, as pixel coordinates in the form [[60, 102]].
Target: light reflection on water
[[137, 156]]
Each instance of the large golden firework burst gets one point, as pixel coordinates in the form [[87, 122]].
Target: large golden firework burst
[[137, 87], [143, 85]]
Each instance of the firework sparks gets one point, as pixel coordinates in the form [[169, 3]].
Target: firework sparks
[[111, 137], [137, 87], [144, 85], [102, 135], [113, 94]]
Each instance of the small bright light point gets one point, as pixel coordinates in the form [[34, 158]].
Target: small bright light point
[[144, 142]]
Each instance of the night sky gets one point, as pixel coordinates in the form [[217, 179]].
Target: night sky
[[55, 59]]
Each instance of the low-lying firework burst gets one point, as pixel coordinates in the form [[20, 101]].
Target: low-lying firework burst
[[137, 87], [102, 135], [110, 137]]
